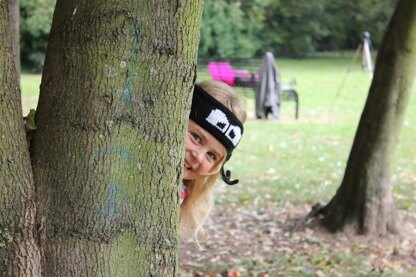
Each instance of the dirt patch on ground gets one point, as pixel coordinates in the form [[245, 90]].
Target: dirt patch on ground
[[268, 241]]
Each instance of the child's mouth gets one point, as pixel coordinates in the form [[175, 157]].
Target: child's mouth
[[187, 166]]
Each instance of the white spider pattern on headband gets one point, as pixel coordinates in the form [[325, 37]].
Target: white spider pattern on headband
[[218, 119]]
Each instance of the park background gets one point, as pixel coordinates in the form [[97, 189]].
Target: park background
[[284, 167]]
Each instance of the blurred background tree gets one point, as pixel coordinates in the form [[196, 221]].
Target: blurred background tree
[[35, 23], [346, 22], [290, 28], [294, 28], [247, 28], [230, 28]]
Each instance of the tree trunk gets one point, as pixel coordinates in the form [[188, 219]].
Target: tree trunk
[[111, 118], [364, 199], [19, 253], [14, 19]]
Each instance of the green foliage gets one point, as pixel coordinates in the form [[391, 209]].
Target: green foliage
[[229, 28], [346, 27], [35, 24], [243, 29], [296, 28]]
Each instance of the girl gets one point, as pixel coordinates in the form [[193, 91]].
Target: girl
[[214, 130]]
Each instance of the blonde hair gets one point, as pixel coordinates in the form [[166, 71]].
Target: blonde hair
[[199, 200]]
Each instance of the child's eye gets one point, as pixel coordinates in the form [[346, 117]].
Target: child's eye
[[196, 137], [212, 156]]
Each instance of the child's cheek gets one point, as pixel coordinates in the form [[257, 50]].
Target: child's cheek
[[205, 167], [187, 141]]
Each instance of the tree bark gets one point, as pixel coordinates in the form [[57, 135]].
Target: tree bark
[[19, 252], [14, 19], [111, 118], [364, 199]]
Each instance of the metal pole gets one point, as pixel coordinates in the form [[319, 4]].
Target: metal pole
[[367, 64]]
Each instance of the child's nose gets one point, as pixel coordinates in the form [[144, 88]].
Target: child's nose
[[199, 155]]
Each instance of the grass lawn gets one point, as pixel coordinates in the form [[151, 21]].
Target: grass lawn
[[30, 91], [285, 167], [304, 160]]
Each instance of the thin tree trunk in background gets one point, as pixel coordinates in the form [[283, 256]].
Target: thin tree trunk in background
[[364, 199], [14, 19], [111, 119], [19, 252]]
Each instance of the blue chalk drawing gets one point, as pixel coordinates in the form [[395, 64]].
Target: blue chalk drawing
[[109, 206], [125, 154], [116, 150], [127, 96]]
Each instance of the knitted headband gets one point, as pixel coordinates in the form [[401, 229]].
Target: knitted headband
[[215, 118], [219, 121]]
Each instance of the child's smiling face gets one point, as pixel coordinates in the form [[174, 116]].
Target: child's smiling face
[[202, 152]]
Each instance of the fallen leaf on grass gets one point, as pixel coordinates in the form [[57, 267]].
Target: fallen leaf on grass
[[323, 263], [319, 273], [234, 273], [378, 265]]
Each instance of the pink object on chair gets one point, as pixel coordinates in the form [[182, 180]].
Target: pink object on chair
[[222, 71], [213, 71], [241, 73]]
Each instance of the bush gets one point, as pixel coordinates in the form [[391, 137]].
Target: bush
[[35, 24]]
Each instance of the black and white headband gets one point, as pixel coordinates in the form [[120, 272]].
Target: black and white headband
[[219, 121]]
